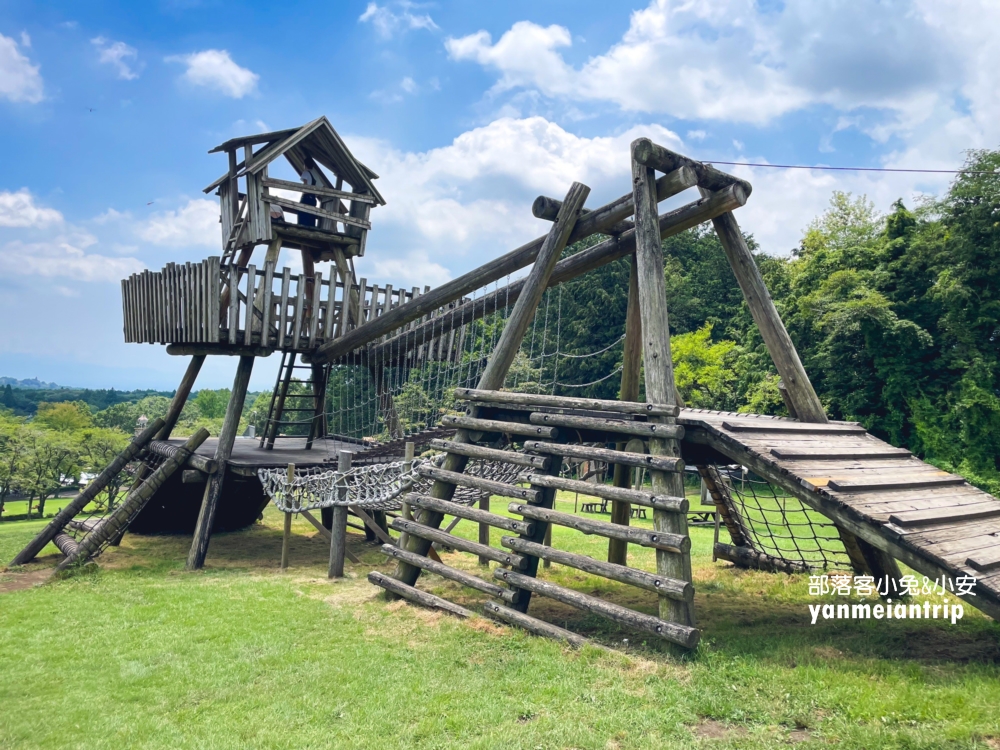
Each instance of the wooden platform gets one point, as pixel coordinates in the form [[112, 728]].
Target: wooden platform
[[248, 456], [933, 521]]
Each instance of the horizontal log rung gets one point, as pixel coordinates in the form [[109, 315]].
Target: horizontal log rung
[[486, 485], [601, 424], [496, 425], [456, 542], [472, 514], [634, 497], [445, 571], [541, 463], [662, 540], [534, 625], [625, 458], [566, 402], [682, 634], [416, 595], [671, 588]]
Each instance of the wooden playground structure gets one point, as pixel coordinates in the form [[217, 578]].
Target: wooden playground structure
[[882, 504]]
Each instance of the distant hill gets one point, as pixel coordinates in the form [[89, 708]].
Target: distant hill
[[30, 383]]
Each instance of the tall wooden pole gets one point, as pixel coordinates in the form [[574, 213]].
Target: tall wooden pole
[[286, 535], [499, 364], [631, 369], [224, 449], [338, 532], [659, 377]]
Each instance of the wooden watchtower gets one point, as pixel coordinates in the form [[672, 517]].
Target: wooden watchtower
[[229, 305]]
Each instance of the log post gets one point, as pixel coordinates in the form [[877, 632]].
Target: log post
[[287, 531], [659, 376], [499, 364], [224, 449], [408, 452], [338, 534], [631, 368], [484, 528]]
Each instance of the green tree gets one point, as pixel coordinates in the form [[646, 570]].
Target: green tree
[[67, 416], [703, 370], [212, 404], [13, 449], [51, 457]]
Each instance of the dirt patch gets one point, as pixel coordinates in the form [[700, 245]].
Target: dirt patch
[[710, 729], [799, 735], [992, 742], [18, 581]]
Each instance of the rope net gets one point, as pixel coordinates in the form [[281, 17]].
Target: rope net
[[372, 487], [777, 524]]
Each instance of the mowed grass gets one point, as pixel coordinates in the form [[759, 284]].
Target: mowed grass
[[139, 653]]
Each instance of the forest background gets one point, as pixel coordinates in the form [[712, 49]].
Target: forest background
[[896, 316]]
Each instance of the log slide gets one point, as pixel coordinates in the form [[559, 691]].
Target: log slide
[[934, 522]]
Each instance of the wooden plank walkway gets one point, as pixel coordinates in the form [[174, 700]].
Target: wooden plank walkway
[[933, 521]]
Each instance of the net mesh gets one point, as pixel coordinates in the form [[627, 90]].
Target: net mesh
[[374, 487], [778, 524]]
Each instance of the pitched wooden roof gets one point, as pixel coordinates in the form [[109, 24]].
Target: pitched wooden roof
[[318, 139]]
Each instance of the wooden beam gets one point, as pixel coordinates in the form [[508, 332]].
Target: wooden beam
[[318, 190], [659, 377], [224, 449]]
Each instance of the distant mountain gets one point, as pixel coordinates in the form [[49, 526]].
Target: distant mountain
[[29, 383]]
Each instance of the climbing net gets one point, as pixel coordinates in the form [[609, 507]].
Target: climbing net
[[404, 384], [777, 524], [374, 487]]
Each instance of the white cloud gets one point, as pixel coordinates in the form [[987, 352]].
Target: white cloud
[[194, 223], [215, 69], [20, 81], [470, 200], [416, 269], [119, 55], [736, 60], [64, 255], [25, 39], [19, 210], [387, 22], [696, 135]]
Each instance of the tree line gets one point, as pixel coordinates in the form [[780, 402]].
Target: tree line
[[47, 452]]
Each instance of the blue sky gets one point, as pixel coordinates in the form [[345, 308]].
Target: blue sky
[[467, 110]]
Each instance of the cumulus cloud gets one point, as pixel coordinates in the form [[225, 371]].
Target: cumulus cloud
[[736, 60], [388, 20], [20, 81], [196, 223], [118, 55], [416, 269], [470, 200], [64, 255], [20, 210], [215, 69]]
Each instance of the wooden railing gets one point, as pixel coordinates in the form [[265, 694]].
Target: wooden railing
[[190, 303]]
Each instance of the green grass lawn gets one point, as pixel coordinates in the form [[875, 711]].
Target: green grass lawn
[[140, 653]]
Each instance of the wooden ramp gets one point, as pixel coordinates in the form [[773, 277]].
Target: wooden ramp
[[933, 521]]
